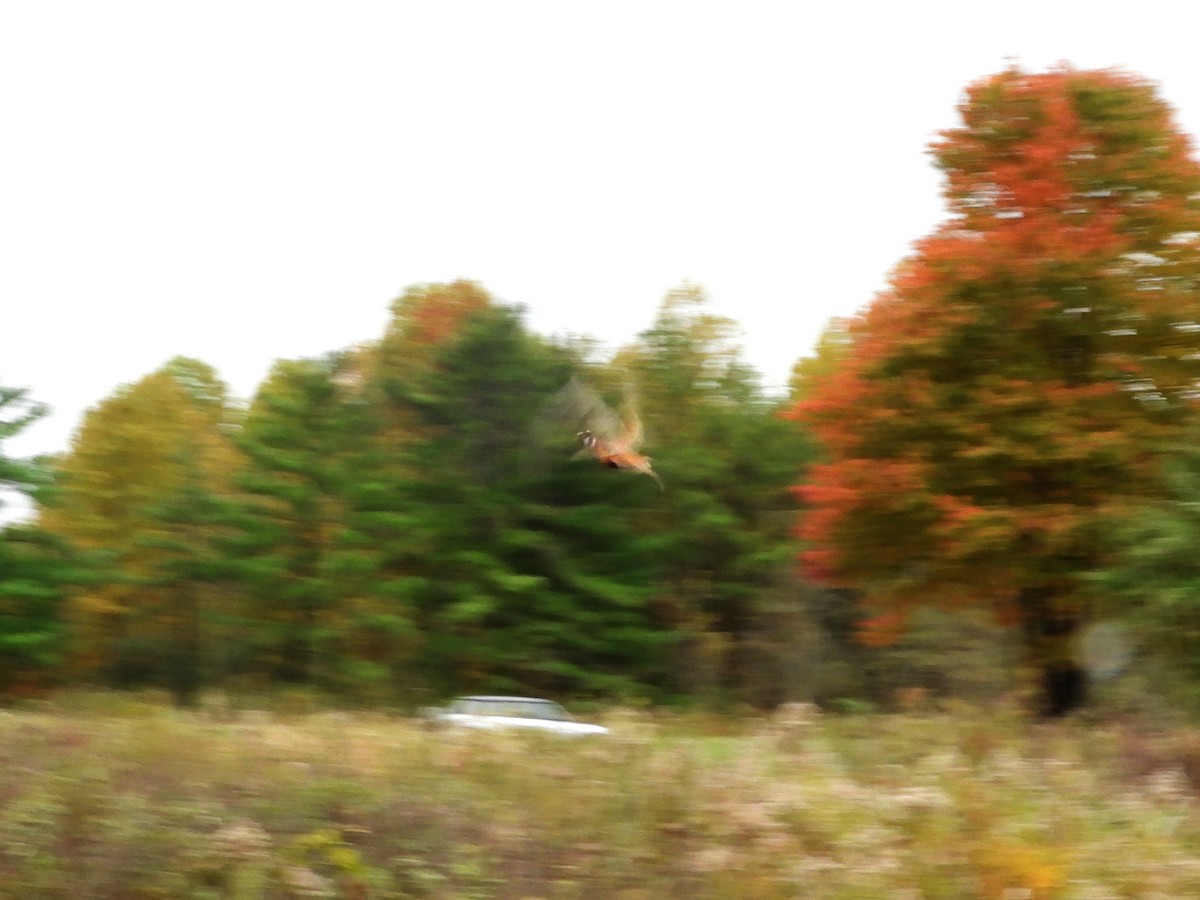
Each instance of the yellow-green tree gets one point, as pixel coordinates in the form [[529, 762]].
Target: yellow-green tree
[[141, 488], [832, 346]]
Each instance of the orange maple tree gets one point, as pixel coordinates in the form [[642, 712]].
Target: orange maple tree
[[1014, 387]]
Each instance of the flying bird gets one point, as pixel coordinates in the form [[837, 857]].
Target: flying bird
[[610, 439]]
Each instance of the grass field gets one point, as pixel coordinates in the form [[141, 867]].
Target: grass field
[[126, 799]]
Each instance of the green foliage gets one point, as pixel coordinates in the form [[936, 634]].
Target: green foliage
[[721, 533], [405, 518], [138, 499], [521, 569], [37, 570], [188, 588], [34, 568], [18, 412], [305, 438], [1149, 584]]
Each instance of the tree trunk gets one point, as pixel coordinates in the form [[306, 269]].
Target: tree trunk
[[184, 664], [1064, 688], [1051, 628]]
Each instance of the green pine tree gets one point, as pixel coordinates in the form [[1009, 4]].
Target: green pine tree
[[521, 569], [35, 568], [722, 533]]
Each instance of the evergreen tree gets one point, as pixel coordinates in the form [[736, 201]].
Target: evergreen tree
[[35, 569], [1149, 584], [520, 569], [721, 534], [304, 438]]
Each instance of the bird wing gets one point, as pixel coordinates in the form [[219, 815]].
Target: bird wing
[[632, 433], [582, 406]]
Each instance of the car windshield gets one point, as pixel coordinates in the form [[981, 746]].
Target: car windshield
[[516, 709]]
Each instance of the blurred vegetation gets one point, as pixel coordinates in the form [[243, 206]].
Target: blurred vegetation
[[395, 522], [118, 796], [36, 568], [403, 520], [400, 521], [990, 422], [210, 628]]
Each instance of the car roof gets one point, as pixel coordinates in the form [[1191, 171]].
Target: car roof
[[499, 697]]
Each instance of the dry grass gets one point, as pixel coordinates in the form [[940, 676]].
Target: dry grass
[[129, 800]]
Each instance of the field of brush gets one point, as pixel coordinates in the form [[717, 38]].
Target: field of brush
[[137, 800]]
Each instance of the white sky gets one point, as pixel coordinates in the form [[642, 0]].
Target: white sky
[[248, 181]]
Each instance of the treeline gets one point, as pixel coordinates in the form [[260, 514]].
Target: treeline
[[404, 519], [1008, 430]]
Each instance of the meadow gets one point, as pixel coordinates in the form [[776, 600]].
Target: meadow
[[120, 797]]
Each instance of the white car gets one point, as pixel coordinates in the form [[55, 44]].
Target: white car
[[504, 713]]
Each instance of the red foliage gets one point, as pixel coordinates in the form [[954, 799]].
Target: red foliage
[[434, 314], [1006, 391]]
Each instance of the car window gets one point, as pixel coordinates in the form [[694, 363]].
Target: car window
[[517, 709], [551, 711]]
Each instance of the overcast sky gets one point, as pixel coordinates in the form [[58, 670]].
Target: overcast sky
[[248, 181]]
